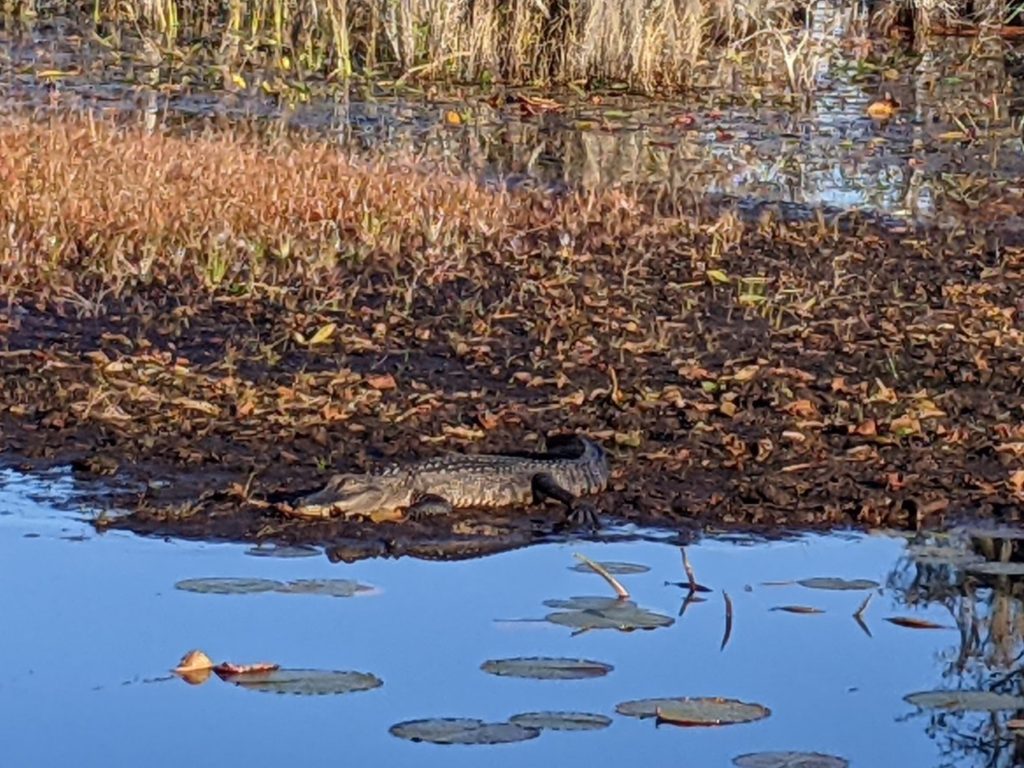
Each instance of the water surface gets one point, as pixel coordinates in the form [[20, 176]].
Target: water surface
[[94, 623]]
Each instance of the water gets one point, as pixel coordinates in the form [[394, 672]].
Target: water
[[94, 623], [734, 138]]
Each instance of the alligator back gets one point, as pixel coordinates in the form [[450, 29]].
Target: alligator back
[[484, 480]]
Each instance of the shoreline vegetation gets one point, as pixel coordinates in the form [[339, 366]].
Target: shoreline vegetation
[[217, 318], [647, 45]]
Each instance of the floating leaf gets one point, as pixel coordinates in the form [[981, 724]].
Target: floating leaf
[[624, 617], [618, 568], [194, 661], [306, 682], [331, 587], [912, 623], [462, 730], [694, 711], [282, 551], [974, 701], [797, 609], [588, 603], [228, 585], [546, 668], [561, 721], [789, 760], [835, 583], [226, 669]]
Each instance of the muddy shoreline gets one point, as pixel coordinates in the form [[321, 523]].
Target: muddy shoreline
[[897, 401]]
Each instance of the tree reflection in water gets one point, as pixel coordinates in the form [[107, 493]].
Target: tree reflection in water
[[989, 613]]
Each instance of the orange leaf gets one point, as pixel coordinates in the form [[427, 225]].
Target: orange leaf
[[382, 382], [912, 623], [227, 669]]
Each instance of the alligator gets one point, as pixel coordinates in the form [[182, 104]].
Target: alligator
[[574, 466]]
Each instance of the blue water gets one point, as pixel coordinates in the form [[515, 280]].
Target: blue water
[[91, 628]]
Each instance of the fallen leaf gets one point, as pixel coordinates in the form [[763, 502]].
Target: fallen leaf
[[382, 382], [193, 661], [227, 669], [912, 623], [323, 335]]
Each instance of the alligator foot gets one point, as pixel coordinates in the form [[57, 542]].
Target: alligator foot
[[429, 505], [583, 515], [578, 513]]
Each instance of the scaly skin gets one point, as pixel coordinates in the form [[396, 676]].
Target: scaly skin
[[437, 485]]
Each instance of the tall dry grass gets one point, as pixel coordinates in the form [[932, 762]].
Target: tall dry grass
[[647, 43], [92, 211]]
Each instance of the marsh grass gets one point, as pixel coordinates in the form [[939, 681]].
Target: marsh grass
[[644, 43]]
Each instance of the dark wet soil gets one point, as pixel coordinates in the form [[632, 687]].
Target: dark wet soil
[[880, 383]]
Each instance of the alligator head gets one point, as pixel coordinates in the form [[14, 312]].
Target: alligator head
[[348, 495]]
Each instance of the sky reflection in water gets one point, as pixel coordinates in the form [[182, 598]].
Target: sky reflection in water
[[90, 623]]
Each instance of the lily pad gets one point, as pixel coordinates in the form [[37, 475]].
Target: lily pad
[[789, 760], [228, 585], [625, 618], [614, 567], [822, 582], [306, 682], [546, 668], [461, 730], [996, 569], [587, 603], [282, 551], [695, 711], [331, 587], [561, 721], [974, 701]]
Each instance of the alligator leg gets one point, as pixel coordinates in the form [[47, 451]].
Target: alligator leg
[[577, 512], [429, 505]]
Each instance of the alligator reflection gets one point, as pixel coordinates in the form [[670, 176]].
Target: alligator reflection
[[977, 576]]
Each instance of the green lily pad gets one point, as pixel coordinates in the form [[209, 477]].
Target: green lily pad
[[836, 583], [974, 701], [588, 603], [331, 587], [996, 569], [694, 711], [306, 682], [228, 585], [282, 551], [461, 730], [613, 567], [561, 721], [625, 618], [546, 668], [789, 760]]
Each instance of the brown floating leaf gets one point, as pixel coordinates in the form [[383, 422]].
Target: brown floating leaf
[[193, 661], [728, 620], [797, 609], [227, 669], [912, 623]]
